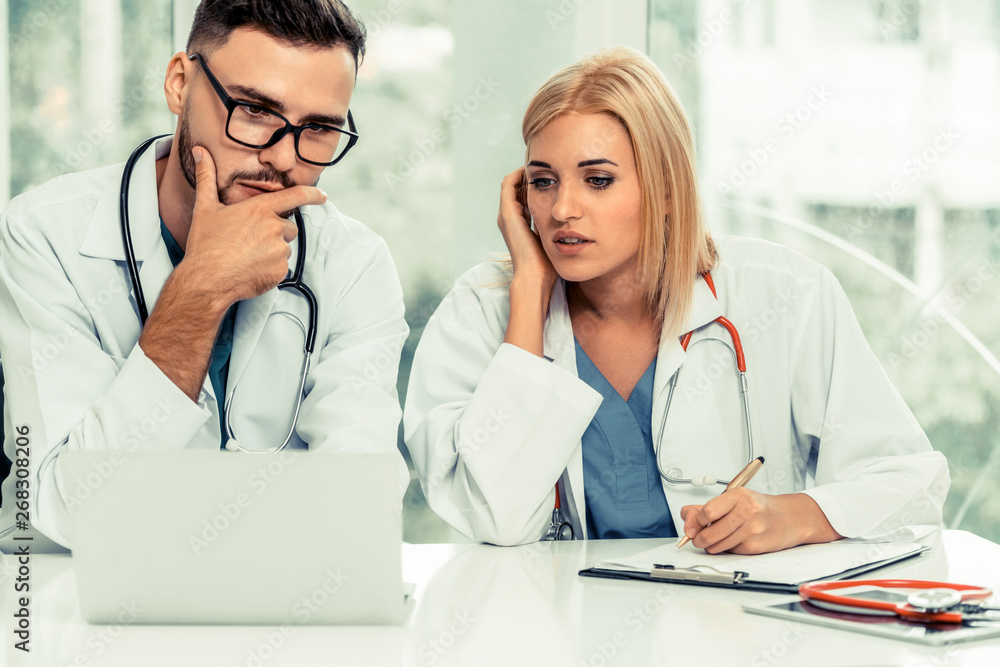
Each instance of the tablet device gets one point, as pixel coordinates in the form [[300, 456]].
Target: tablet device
[[892, 626]]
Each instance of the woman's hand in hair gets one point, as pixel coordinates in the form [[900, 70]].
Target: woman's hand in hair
[[534, 276], [526, 252]]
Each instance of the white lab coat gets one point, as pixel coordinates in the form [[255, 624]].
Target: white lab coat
[[77, 377], [491, 427]]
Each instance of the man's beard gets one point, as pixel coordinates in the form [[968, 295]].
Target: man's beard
[[188, 167]]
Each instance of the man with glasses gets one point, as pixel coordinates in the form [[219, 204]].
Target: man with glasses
[[262, 97]]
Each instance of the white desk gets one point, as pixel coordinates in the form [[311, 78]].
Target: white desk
[[481, 605]]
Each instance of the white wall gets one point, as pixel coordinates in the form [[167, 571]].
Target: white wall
[[183, 17]]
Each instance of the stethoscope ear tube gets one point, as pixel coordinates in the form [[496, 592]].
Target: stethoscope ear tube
[[125, 224], [295, 282]]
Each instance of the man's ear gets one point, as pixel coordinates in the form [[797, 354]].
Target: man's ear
[[177, 82]]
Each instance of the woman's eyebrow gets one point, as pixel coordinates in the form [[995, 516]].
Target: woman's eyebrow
[[585, 163]]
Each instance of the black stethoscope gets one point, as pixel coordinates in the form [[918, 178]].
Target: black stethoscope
[[292, 281]]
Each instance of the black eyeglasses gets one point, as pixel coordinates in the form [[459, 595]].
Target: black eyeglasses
[[255, 126]]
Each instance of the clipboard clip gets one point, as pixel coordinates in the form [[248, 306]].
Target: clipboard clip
[[695, 573]]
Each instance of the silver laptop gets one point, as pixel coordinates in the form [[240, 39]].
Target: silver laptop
[[197, 537]]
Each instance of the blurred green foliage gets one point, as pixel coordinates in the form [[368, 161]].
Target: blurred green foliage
[[50, 132]]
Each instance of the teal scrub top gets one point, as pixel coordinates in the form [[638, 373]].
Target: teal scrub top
[[621, 481]]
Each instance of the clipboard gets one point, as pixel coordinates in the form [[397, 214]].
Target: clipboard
[[843, 559]]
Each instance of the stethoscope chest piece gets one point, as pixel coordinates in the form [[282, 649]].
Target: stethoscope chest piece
[[697, 480], [935, 600], [560, 528]]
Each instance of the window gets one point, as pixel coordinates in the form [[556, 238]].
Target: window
[[865, 138]]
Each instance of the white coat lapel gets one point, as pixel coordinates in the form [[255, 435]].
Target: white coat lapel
[[155, 266], [251, 316], [560, 348], [103, 241], [154, 271], [704, 309], [104, 237]]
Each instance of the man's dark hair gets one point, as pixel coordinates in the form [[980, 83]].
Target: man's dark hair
[[319, 23]]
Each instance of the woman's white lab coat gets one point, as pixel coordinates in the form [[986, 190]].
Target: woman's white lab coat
[[76, 376], [491, 427]]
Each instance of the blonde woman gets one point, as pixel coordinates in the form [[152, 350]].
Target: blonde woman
[[558, 366]]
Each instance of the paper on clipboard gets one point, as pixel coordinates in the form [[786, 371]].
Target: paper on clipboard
[[790, 567]]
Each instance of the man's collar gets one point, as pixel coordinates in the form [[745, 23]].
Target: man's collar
[[705, 307], [104, 237]]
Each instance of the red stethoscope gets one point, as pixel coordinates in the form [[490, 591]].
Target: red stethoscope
[[561, 529], [930, 601]]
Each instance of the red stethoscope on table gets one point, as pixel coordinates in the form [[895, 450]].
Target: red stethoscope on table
[[930, 601], [561, 529]]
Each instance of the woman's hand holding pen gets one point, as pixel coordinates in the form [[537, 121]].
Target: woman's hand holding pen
[[742, 521], [534, 276]]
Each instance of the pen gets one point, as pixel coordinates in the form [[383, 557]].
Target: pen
[[739, 481]]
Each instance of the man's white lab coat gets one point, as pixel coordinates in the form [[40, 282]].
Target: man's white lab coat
[[491, 427], [77, 378]]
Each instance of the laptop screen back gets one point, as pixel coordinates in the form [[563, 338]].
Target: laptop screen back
[[215, 537]]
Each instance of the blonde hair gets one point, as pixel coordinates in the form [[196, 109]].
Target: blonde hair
[[675, 246]]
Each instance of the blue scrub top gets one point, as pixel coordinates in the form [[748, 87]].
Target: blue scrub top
[[218, 371], [622, 483]]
